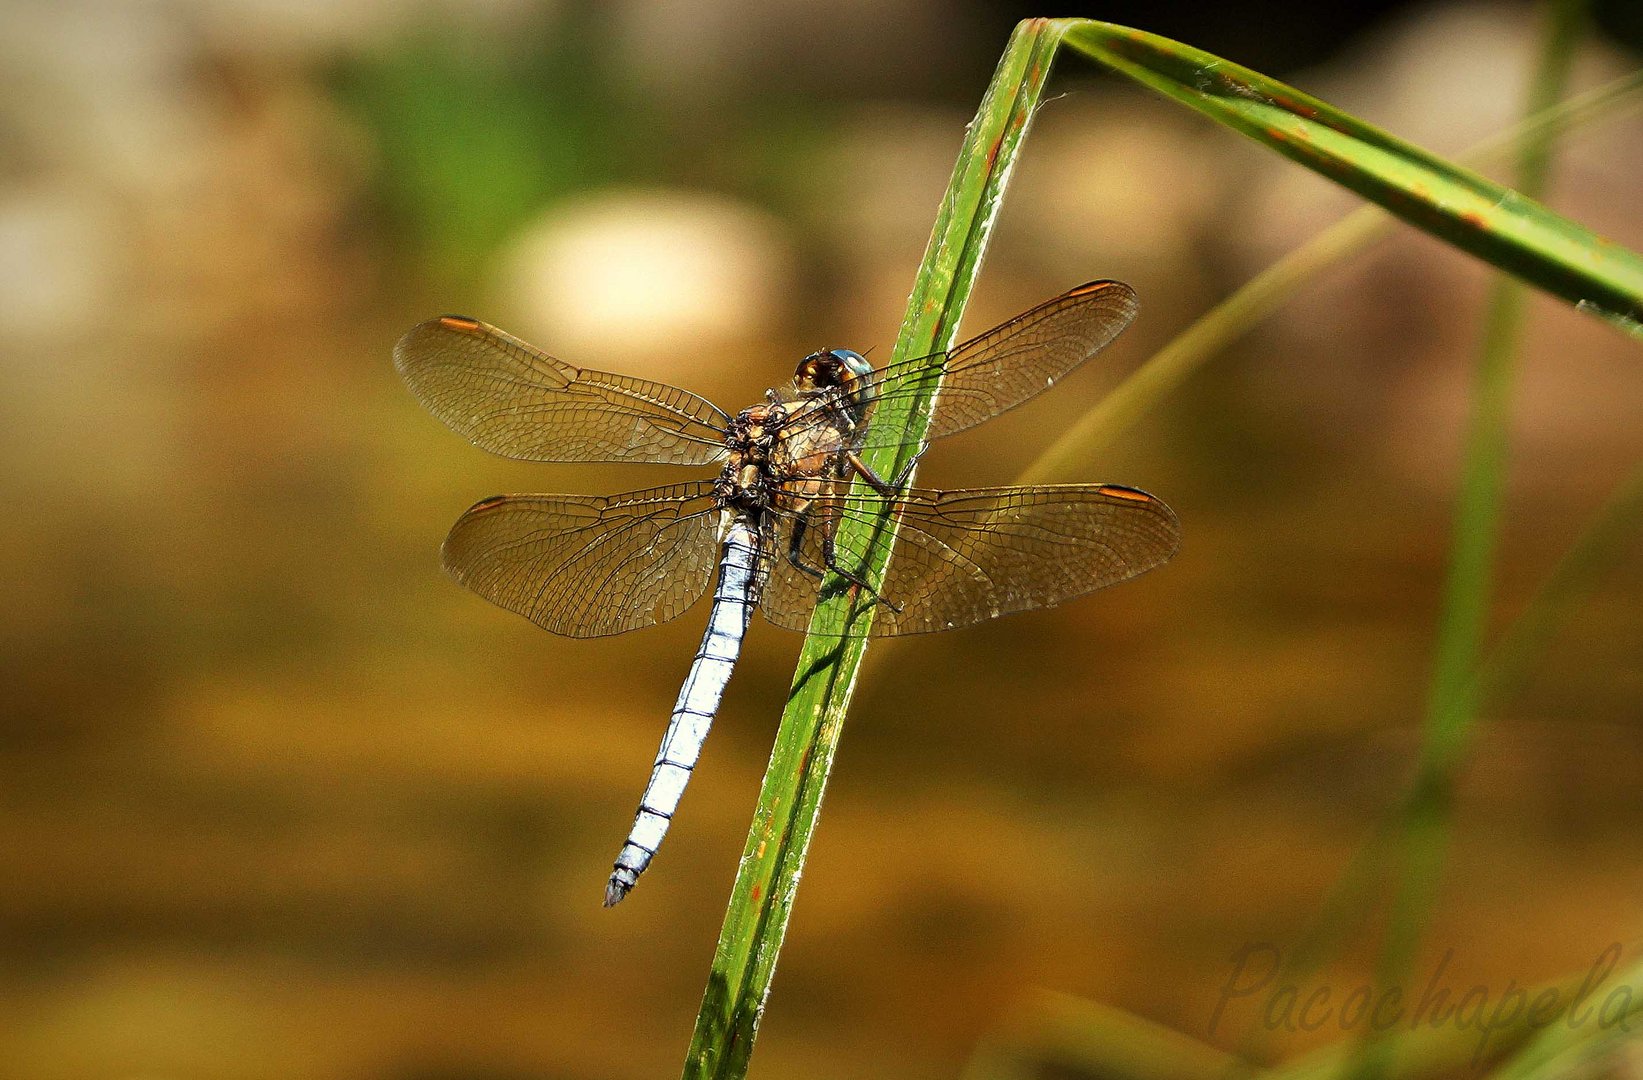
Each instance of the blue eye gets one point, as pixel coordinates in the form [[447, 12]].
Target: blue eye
[[855, 361]]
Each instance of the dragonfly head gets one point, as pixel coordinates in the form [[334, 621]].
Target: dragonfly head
[[831, 368]]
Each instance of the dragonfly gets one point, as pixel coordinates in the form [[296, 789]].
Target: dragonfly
[[770, 527]]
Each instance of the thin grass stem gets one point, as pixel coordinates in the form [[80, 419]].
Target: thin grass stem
[[1453, 699]]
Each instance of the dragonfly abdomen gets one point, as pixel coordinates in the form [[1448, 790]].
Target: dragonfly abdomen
[[733, 601]]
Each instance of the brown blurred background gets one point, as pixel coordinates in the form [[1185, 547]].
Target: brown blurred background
[[279, 800]]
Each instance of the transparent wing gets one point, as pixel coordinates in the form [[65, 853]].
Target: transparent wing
[[515, 400], [1004, 367], [588, 566], [966, 556]]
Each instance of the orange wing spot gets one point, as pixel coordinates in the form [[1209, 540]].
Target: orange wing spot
[[460, 323], [1127, 493], [487, 504], [1094, 286]]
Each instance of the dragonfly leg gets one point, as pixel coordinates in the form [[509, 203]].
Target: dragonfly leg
[[887, 488], [829, 554], [795, 545]]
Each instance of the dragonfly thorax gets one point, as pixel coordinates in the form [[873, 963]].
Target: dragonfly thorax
[[750, 444], [753, 432]]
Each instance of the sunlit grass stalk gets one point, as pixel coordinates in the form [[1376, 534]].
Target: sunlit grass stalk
[[1502, 226], [808, 737], [1599, 547], [1232, 318], [1610, 534], [1502, 1032], [1550, 1052], [1211, 333], [1073, 1038], [1070, 1037], [1452, 701], [1215, 330]]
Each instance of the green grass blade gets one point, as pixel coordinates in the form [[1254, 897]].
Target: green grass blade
[[790, 799], [1532, 1031], [1605, 540], [1263, 294], [1477, 215], [1453, 699], [1599, 546], [1069, 1037], [1611, 1014], [1510, 1028]]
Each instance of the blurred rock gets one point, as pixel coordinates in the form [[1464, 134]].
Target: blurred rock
[[626, 277], [58, 254], [296, 29], [882, 177], [695, 54], [1114, 180], [872, 191]]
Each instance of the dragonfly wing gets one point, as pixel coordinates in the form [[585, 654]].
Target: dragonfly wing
[[589, 566], [966, 556], [515, 400], [998, 370], [1024, 357]]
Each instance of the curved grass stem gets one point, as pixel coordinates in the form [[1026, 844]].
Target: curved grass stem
[[1454, 696], [1226, 322], [808, 737]]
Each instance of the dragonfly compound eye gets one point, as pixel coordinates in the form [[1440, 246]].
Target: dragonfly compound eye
[[830, 368], [854, 362]]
